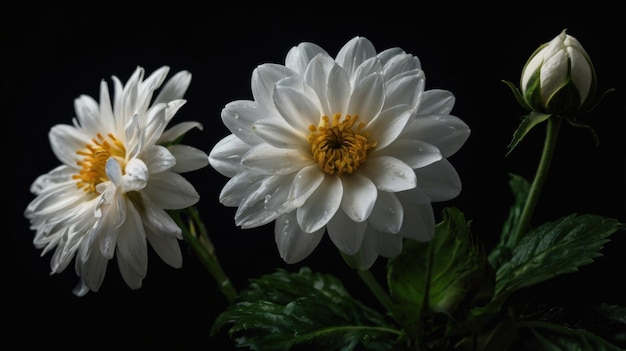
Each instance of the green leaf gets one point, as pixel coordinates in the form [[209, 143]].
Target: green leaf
[[552, 249], [281, 310], [528, 123], [502, 251], [547, 336], [441, 276], [518, 96]]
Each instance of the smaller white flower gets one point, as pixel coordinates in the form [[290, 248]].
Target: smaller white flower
[[352, 146], [120, 172], [558, 77]]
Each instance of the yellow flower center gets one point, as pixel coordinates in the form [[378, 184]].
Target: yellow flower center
[[95, 156], [339, 146]]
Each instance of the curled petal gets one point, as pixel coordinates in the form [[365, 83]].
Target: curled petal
[[136, 176]]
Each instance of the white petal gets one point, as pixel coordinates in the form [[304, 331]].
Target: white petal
[[59, 176], [176, 131], [175, 87], [170, 191], [414, 153], [359, 196], [419, 219], [386, 127], [580, 72], [226, 155], [279, 134], [168, 249], [355, 52], [298, 57], [446, 132], [157, 221], [368, 98], [267, 159], [370, 66], [436, 102], [321, 206], [65, 140], [88, 114], [93, 269], [158, 158], [238, 117], [388, 173], [114, 217], [239, 187], [397, 62], [297, 103], [439, 181], [264, 79], [391, 246], [368, 252], [387, 214], [345, 233], [188, 158], [405, 89], [132, 251], [114, 171], [265, 202], [136, 176], [306, 181], [154, 125], [293, 244], [554, 72], [317, 77], [339, 91]]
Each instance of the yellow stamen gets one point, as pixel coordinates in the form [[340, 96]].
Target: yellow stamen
[[339, 146], [95, 156]]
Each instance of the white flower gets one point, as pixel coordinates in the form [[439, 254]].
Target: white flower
[[559, 76], [117, 178], [351, 145]]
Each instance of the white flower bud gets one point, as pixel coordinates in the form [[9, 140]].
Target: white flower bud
[[559, 77]]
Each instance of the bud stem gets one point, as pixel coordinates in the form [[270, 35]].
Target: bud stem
[[196, 235], [552, 131]]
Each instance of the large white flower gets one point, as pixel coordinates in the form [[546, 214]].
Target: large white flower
[[120, 171], [352, 145]]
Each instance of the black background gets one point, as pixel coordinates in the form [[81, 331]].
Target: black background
[[49, 60]]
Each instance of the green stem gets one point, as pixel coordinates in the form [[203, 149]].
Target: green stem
[[374, 286], [523, 223], [382, 297], [196, 235]]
